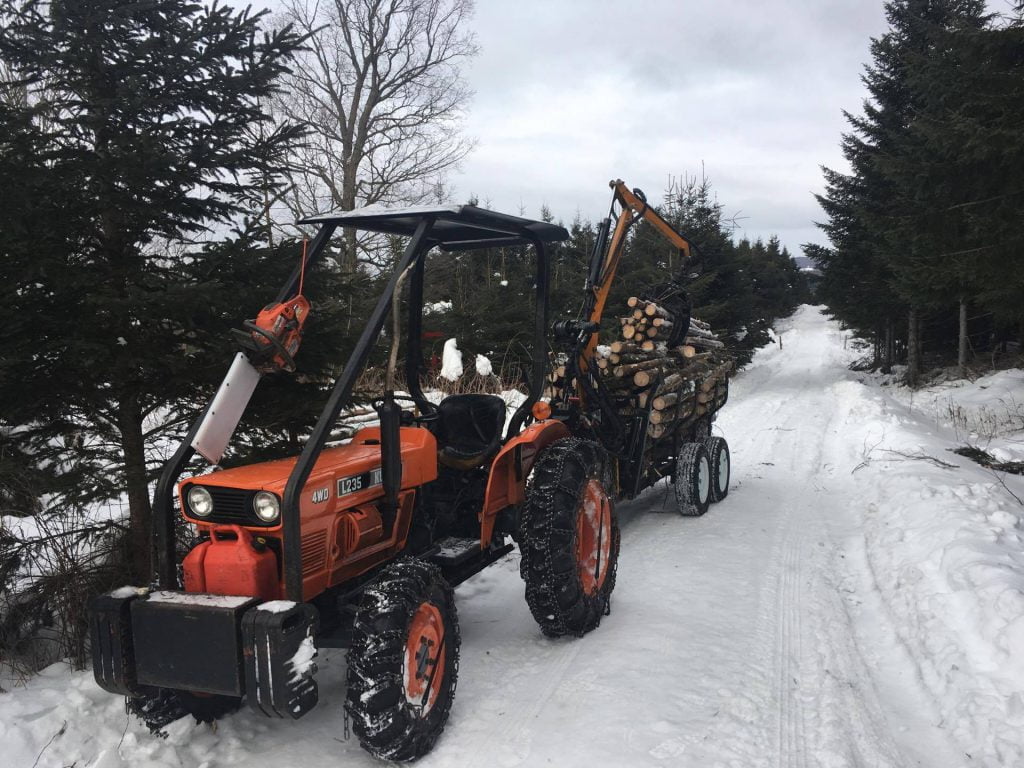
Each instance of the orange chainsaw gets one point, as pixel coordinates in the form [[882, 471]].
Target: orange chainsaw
[[272, 339]]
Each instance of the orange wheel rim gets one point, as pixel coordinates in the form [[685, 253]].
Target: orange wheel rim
[[424, 658], [593, 537]]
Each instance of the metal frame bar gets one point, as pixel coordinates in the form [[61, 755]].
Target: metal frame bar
[[414, 334], [340, 394], [320, 241], [540, 349], [165, 560], [415, 253]]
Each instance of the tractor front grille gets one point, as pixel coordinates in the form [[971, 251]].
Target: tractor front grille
[[231, 506]]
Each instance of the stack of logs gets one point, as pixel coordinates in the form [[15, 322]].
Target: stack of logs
[[679, 384]]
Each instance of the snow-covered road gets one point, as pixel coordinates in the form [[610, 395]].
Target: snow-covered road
[[802, 622]]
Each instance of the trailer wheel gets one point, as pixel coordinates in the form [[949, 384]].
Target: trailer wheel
[[569, 538], [721, 466], [403, 661], [693, 480]]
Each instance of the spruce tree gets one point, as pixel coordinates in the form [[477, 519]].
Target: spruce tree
[[969, 164], [933, 267], [139, 133], [885, 218], [857, 271], [722, 293]]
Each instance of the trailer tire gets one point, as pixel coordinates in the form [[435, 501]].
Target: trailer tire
[[693, 480], [398, 698], [569, 538], [721, 467]]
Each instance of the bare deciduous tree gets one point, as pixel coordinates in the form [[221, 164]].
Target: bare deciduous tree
[[382, 94]]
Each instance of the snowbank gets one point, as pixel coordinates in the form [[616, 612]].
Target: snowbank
[[987, 413], [451, 361], [930, 544], [437, 307], [483, 366], [943, 538]]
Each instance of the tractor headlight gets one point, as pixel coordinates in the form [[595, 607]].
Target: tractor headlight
[[200, 501], [267, 507]]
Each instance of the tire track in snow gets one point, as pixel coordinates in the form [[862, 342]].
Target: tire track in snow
[[789, 655], [515, 733], [804, 449], [829, 712], [804, 603], [780, 624]]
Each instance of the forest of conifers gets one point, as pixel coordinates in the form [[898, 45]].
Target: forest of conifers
[[926, 253]]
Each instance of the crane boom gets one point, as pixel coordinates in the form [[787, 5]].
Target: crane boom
[[634, 208]]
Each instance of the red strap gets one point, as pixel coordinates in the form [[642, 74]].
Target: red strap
[[302, 268]]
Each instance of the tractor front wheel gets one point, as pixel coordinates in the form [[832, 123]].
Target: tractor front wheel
[[403, 661], [569, 538]]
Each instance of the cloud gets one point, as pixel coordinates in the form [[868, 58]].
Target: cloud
[[572, 94]]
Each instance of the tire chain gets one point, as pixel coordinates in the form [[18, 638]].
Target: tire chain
[[541, 513], [377, 656], [156, 710]]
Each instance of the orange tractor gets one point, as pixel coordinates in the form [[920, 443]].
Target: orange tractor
[[365, 540]]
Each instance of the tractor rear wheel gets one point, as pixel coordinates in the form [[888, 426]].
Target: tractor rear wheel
[[569, 538], [721, 466], [693, 480], [403, 661]]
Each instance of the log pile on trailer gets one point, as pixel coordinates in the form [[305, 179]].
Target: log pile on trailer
[[649, 371]]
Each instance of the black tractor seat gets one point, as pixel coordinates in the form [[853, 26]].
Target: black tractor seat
[[468, 429]]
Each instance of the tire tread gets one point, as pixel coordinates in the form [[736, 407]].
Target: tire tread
[[382, 719], [547, 537]]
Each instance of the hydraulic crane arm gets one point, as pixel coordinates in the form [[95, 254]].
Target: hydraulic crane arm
[[605, 263]]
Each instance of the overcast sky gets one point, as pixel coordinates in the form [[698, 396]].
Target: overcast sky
[[570, 94]]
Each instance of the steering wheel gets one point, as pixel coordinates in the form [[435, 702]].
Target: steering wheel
[[423, 418]]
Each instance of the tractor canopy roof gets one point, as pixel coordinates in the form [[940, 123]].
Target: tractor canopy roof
[[455, 227]]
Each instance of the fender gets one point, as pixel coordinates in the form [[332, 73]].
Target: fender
[[506, 485]]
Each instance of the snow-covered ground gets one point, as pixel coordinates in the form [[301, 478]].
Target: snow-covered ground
[[853, 602], [987, 413]]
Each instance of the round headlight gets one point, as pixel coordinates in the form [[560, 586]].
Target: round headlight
[[200, 501], [266, 506]]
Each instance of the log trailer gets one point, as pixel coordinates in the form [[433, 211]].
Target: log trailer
[[380, 529], [653, 415]]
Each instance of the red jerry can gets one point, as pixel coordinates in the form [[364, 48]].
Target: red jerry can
[[231, 563]]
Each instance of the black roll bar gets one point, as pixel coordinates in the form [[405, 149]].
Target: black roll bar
[[316, 247], [164, 551], [165, 575], [340, 394], [540, 348], [413, 345], [165, 559]]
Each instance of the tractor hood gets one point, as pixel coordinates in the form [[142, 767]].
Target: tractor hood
[[344, 476]]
